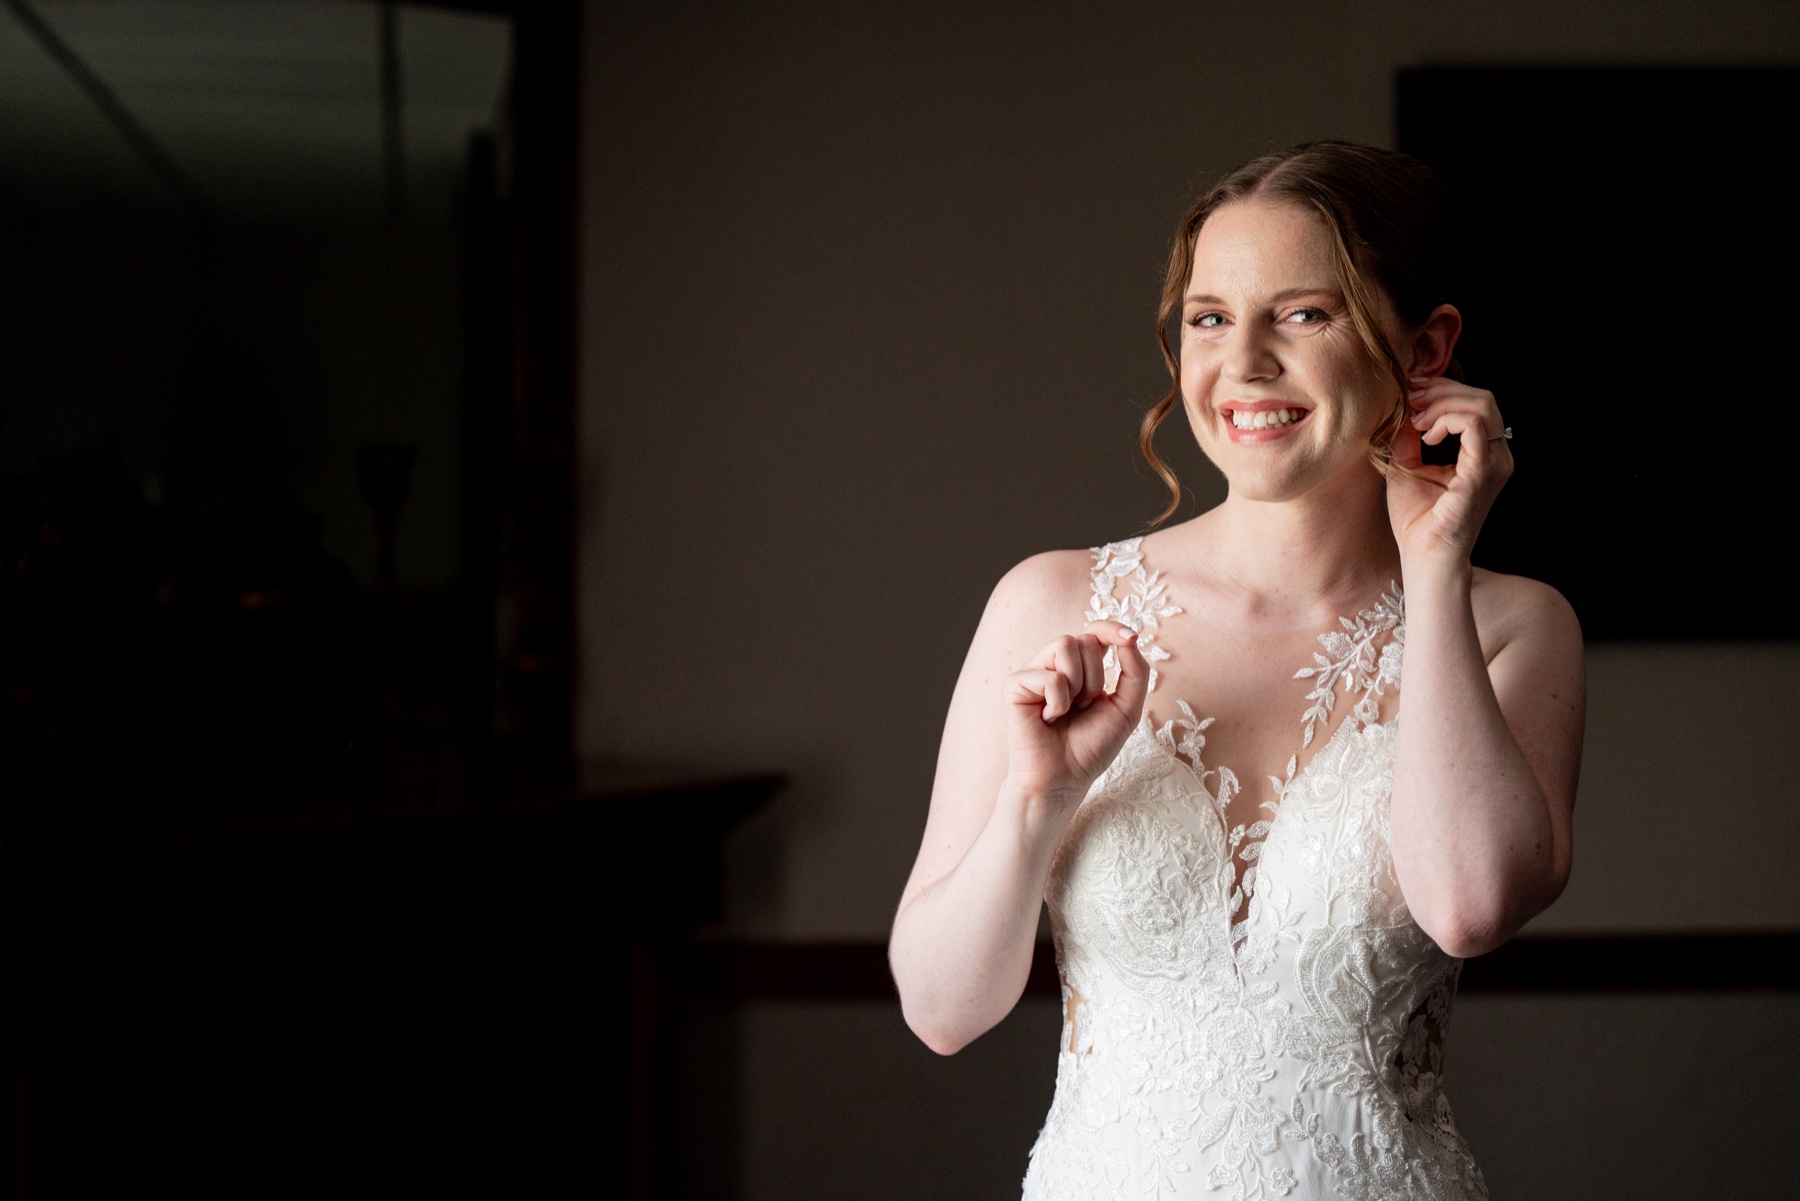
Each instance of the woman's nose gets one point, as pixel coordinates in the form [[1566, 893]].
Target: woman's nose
[[1249, 357]]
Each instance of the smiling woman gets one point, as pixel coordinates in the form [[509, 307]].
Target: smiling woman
[[1394, 211], [1258, 977]]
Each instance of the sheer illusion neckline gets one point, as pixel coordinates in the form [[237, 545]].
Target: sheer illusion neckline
[[1298, 1052], [1363, 654]]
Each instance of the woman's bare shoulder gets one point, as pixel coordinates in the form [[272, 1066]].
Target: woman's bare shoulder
[[1041, 598], [1509, 608], [1046, 591]]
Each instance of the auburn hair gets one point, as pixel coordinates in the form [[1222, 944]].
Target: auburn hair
[[1392, 232]]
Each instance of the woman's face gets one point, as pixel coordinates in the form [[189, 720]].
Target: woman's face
[[1279, 388]]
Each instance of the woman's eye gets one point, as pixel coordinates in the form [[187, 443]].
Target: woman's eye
[[1308, 316], [1207, 320]]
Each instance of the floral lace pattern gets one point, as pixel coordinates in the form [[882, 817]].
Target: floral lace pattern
[[1351, 657], [1143, 608], [1296, 1053]]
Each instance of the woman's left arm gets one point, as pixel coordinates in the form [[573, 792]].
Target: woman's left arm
[[1493, 701]]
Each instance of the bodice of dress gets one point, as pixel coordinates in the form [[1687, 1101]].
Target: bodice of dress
[[1274, 1034]]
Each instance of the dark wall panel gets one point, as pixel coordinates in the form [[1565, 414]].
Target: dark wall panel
[[1629, 236]]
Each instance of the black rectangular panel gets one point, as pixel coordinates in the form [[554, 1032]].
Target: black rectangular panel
[[1630, 236]]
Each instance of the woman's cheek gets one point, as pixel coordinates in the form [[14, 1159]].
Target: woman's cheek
[[1194, 377]]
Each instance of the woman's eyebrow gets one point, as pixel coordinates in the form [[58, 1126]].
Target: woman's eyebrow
[[1278, 298]]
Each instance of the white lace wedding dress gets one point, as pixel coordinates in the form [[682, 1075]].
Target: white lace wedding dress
[[1295, 1051]]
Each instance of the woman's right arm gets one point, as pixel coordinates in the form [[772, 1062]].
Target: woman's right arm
[[1029, 729]]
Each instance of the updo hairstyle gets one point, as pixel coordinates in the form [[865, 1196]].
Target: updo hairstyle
[[1392, 231]]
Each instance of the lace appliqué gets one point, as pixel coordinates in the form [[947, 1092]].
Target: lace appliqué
[[1221, 787], [1295, 1054], [1350, 656], [1143, 608], [1354, 656]]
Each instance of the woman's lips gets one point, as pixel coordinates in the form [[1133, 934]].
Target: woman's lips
[[1251, 424]]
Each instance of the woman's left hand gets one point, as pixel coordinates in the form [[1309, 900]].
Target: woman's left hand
[[1432, 522]]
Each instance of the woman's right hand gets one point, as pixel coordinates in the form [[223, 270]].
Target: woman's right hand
[[1063, 727], [1026, 736]]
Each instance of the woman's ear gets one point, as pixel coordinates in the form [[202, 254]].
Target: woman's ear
[[1434, 345]]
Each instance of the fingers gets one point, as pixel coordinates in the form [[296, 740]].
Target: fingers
[[1443, 407], [1134, 677], [1407, 448], [1039, 688], [1082, 659], [1070, 673], [1066, 659], [1472, 428]]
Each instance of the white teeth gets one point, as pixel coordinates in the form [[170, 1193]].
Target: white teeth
[[1264, 419]]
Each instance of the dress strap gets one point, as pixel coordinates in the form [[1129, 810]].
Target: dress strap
[[1357, 656], [1142, 608]]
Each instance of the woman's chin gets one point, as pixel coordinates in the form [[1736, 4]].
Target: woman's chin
[[1276, 483], [1262, 490], [1266, 477]]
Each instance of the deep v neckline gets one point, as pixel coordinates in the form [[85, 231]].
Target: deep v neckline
[[1349, 728], [1362, 654]]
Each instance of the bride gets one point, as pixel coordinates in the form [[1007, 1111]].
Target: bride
[[1260, 897]]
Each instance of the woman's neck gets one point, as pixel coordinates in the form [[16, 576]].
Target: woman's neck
[[1330, 548]]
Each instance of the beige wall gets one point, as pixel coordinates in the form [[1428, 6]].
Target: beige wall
[[867, 316], [1689, 812]]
